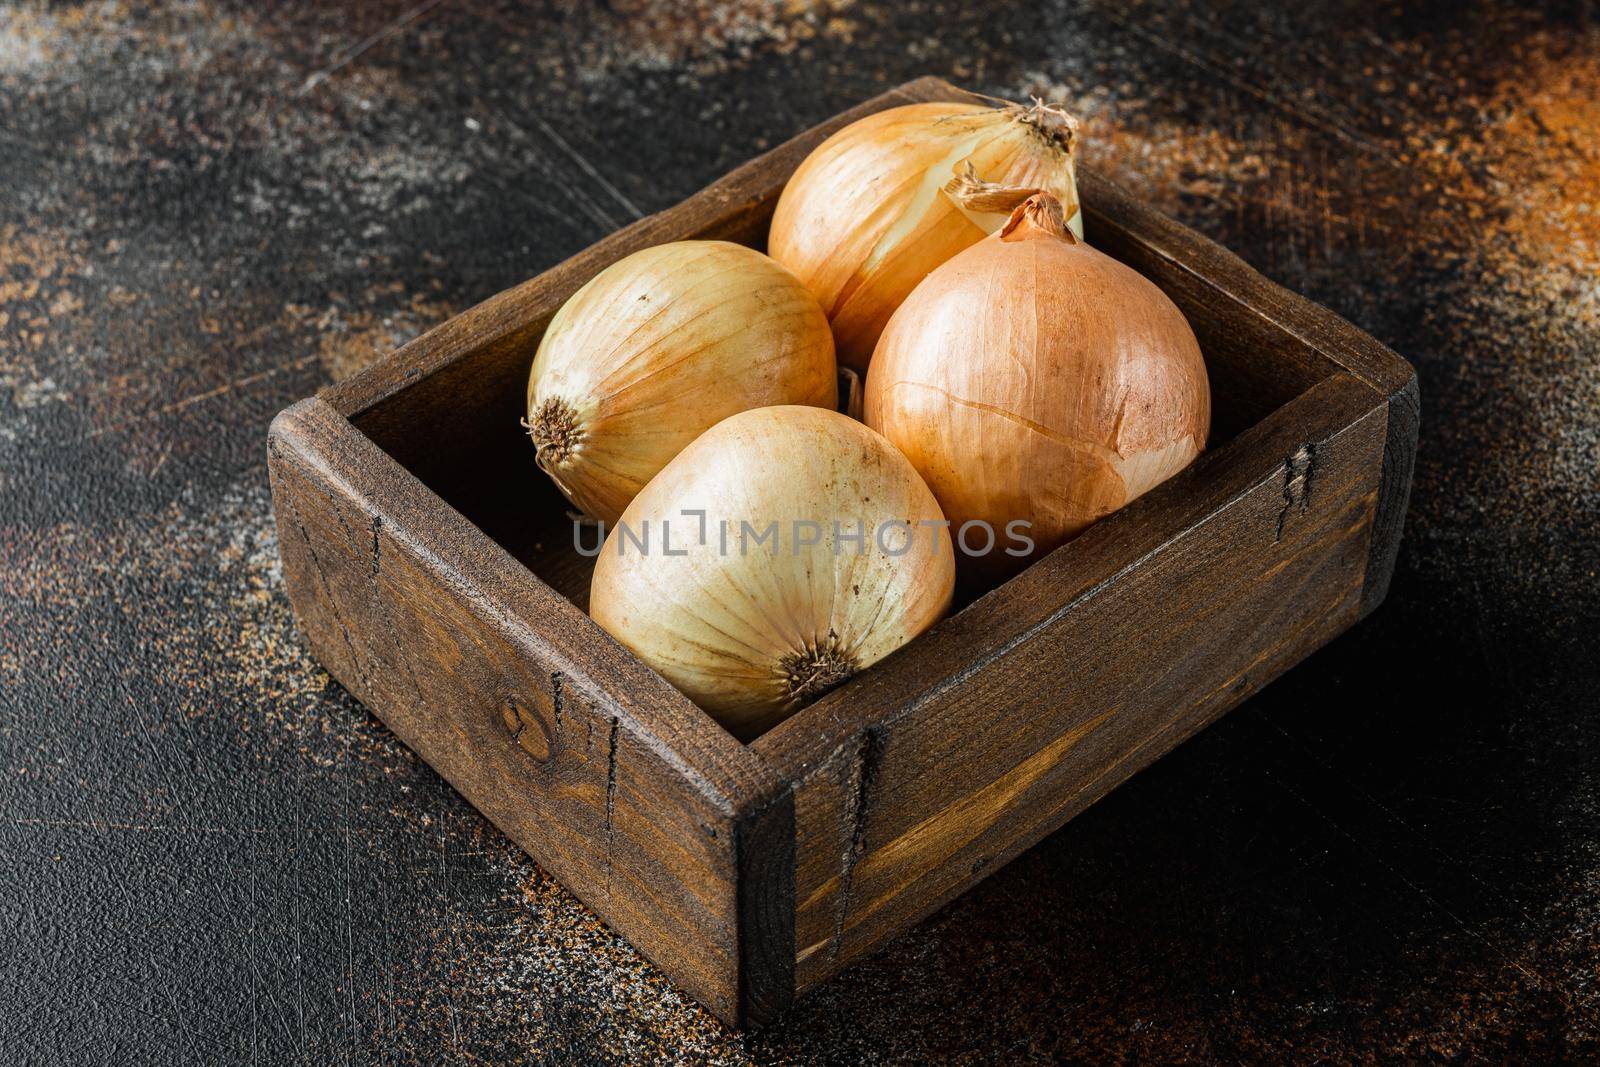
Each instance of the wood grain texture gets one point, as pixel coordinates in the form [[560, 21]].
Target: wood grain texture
[[1007, 719], [605, 774], [752, 873], [1403, 412]]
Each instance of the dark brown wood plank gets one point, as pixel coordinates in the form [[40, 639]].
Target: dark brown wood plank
[[1394, 494], [624, 790], [1267, 330], [764, 845], [996, 727]]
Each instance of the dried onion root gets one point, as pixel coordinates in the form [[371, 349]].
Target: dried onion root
[[751, 627], [659, 347]]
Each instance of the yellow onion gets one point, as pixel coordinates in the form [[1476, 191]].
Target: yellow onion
[[1033, 378], [659, 347], [890, 197], [710, 580]]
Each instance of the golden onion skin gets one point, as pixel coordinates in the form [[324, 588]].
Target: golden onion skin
[[867, 215], [751, 634], [659, 347], [1032, 377]]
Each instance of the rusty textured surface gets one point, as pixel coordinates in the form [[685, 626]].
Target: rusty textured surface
[[211, 853]]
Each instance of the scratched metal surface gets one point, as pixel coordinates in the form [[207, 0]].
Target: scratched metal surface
[[210, 853]]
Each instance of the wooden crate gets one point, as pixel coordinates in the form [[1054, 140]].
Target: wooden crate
[[431, 569]]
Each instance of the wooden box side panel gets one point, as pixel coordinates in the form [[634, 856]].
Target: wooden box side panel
[[946, 780], [1277, 337], [521, 728]]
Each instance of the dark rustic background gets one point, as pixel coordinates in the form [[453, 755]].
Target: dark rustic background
[[210, 853]]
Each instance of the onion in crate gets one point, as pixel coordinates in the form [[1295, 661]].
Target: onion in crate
[[1032, 378], [892, 196], [785, 550], [659, 347]]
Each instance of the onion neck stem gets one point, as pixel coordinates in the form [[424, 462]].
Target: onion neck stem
[[1038, 216]]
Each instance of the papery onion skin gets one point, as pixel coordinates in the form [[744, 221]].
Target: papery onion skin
[[867, 215], [659, 347], [752, 635], [1035, 378]]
